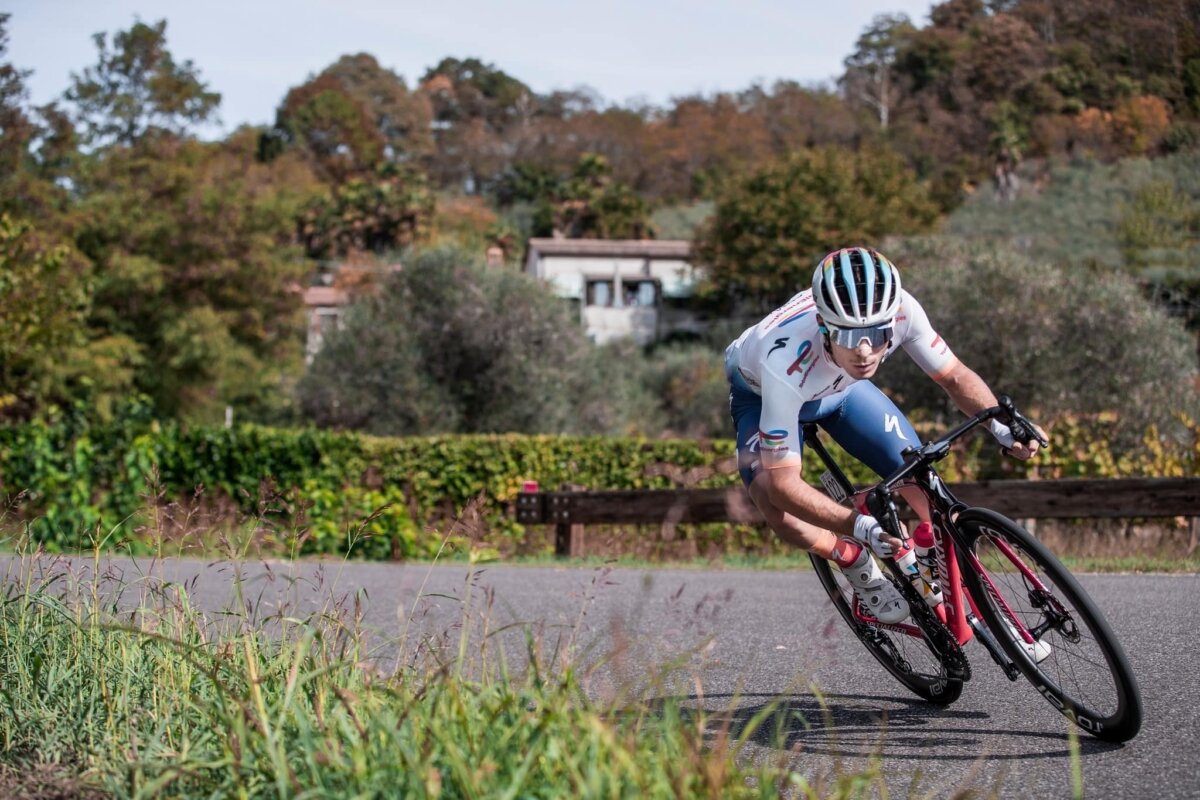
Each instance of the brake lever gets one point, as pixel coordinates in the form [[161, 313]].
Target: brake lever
[[1022, 428]]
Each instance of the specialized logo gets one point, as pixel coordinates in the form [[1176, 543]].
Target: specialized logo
[[778, 344], [803, 356], [891, 423], [774, 442], [753, 442]]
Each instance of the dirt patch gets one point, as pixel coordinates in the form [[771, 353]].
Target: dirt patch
[[45, 782]]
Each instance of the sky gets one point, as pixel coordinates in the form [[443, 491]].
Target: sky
[[628, 51]]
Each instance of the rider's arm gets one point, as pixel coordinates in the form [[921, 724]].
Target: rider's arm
[[966, 389], [788, 491], [972, 395]]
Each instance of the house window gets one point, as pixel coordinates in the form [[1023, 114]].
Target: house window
[[640, 293], [329, 320], [600, 293]]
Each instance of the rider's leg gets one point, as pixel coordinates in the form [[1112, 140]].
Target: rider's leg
[[745, 407], [875, 592], [791, 529], [870, 427]]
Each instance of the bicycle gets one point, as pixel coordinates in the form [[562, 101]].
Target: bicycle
[[1000, 586]]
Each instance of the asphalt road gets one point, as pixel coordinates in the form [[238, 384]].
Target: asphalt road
[[746, 642]]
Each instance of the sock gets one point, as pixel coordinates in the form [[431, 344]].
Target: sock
[[846, 552]]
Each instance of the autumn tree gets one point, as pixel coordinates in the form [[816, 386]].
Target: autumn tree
[[769, 228], [136, 88], [375, 213], [478, 109], [351, 118], [587, 204]]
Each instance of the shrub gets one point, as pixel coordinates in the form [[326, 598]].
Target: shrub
[[1060, 340]]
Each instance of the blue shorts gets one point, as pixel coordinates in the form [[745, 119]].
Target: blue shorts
[[864, 422]]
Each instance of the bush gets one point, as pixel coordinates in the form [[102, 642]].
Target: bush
[[453, 347], [1060, 340]]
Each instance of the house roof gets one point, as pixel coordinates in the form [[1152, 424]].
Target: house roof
[[325, 296], [629, 248]]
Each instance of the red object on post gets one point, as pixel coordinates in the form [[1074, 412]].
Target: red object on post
[[529, 487]]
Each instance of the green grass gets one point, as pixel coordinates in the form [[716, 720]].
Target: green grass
[[132, 691]]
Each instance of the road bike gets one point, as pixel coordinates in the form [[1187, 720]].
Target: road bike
[[1000, 586]]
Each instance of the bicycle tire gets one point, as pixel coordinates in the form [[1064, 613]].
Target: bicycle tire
[[895, 651], [1100, 695]]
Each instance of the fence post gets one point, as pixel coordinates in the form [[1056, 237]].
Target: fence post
[[568, 536]]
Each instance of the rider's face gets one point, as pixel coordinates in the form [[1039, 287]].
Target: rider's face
[[860, 362]]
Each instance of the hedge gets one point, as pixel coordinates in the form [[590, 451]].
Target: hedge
[[312, 491]]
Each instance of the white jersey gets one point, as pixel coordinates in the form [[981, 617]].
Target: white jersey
[[783, 360]]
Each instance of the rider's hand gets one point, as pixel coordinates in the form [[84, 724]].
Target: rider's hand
[[1011, 446], [868, 531]]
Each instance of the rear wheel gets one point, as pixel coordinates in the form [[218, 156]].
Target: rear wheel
[[908, 658], [1075, 661]]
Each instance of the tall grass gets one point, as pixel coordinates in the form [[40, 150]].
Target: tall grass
[[141, 694]]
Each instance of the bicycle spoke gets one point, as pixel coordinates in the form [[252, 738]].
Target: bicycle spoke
[[1077, 667]]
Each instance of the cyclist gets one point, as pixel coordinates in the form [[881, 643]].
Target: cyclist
[[811, 360]]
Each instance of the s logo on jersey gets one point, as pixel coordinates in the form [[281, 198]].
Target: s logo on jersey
[[803, 356], [778, 344]]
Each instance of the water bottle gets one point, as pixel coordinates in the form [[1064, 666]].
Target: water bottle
[[908, 563]]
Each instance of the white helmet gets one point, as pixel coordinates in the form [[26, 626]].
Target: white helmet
[[856, 287]]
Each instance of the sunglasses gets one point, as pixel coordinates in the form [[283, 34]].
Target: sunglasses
[[875, 335]]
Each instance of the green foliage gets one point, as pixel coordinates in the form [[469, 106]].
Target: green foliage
[[1060, 340], [587, 204], [689, 381], [137, 88], [1089, 212], [769, 229], [217, 704], [386, 211], [309, 492], [1160, 225], [45, 293], [190, 249], [451, 346]]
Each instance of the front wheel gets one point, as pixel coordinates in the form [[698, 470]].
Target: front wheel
[[1049, 626], [909, 659]]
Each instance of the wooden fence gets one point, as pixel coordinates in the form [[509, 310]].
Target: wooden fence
[[571, 509]]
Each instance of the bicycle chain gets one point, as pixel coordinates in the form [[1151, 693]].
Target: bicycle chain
[[936, 633]]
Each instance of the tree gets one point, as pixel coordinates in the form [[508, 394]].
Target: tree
[[868, 77], [588, 204], [450, 346], [137, 88], [769, 229], [44, 299], [16, 130], [1059, 339], [332, 127], [354, 117], [191, 245], [382, 212], [478, 112]]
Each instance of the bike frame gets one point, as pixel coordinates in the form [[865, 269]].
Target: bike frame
[[959, 611]]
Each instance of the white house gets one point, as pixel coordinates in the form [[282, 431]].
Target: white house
[[634, 288]]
